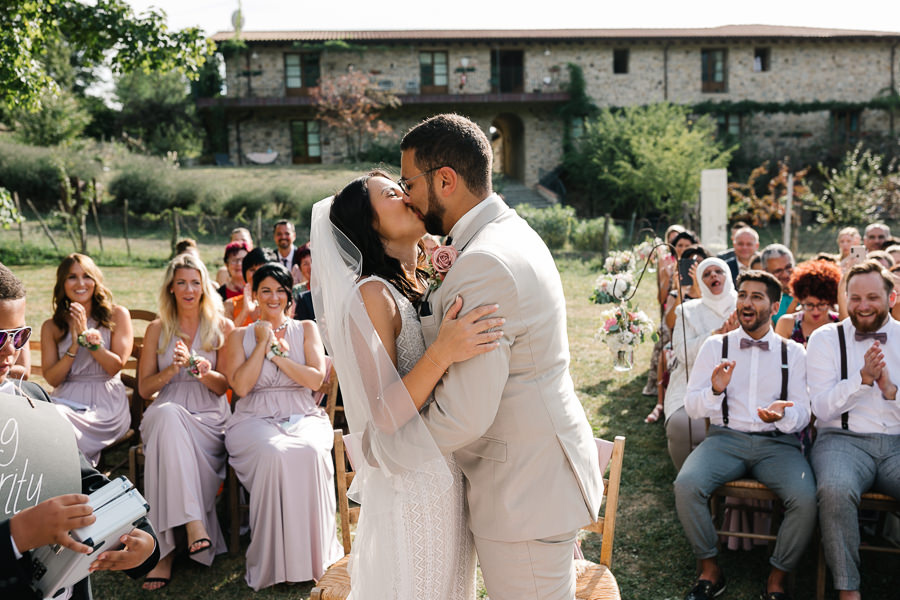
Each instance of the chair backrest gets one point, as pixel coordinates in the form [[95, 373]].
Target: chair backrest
[[331, 395], [35, 346], [612, 454], [344, 476], [129, 374]]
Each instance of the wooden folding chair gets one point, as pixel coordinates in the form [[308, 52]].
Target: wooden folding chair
[[596, 581], [335, 583]]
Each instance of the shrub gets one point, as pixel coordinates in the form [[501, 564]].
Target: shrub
[[147, 190], [36, 173], [553, 223], [587, 235]]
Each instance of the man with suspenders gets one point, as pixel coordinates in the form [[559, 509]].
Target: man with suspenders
[[751, 385], [852, 369]]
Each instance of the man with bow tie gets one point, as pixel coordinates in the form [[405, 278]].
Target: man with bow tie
[[751, 385], [853, 366]]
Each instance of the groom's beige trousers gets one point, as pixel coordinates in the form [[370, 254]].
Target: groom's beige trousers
[[531, 570]]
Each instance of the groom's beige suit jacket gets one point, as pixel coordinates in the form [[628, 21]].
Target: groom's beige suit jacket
[[511, 416]]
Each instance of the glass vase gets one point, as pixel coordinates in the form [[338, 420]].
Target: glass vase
[[624, 359]]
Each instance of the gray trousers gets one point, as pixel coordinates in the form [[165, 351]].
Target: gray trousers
[[847, 465], [683, 434], [776, 461]]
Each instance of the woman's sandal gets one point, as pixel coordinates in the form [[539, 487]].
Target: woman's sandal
[[207, 544], [163, 580], [655, 414]]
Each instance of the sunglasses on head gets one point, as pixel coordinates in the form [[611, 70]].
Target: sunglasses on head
[[19, 336]]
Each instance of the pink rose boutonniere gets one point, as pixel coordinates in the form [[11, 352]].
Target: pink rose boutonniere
[[439, 262]]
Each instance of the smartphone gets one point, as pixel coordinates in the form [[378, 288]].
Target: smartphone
[[858, 253], [684, 271]]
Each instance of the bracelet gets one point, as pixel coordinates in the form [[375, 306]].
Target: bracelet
[[70, 354], [428, 356]]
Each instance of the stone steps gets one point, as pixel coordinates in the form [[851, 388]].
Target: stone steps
[[516, 193]]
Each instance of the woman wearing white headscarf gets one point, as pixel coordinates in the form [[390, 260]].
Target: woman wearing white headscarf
[[695, 320]]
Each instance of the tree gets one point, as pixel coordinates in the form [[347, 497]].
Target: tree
[[60, 119], [644, 159], [158, 110], [96, 29], [856, 192], [748, 205], [348, 104]]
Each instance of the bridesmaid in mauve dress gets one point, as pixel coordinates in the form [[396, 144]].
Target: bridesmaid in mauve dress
[[279, 441], [88, 391], [184, 429]]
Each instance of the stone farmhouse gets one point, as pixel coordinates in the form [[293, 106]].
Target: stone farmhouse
[[774, 86]]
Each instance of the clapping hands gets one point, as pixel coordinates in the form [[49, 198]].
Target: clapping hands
[[773, 412], [181, 355], [77, 318], [730, 324], [874, 370]]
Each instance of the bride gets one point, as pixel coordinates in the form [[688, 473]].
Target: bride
[[412, 540]]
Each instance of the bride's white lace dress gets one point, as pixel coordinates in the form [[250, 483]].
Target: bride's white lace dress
[[426, 532]]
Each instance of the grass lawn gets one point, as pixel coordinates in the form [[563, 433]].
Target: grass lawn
[[652, 560]]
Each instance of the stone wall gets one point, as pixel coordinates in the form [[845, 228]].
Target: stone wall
[[800, 71]]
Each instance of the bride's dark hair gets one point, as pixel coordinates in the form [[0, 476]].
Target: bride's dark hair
[[352, 213]]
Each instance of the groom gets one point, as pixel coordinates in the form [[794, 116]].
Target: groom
[[511, 415]]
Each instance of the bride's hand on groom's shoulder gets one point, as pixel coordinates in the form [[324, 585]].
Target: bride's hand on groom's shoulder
[[463, 336]]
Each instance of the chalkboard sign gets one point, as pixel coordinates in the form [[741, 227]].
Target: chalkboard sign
[[38, 455]]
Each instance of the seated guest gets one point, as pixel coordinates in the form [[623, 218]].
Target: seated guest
[[851, 370], [847, 238], [301, 269], [665, 268], [746, 243], [894, 251], [685, 290], [695, 321], [886, 260], [779, 261], [238, 234], [50, 521], [242, 310], [184, 429], [234, 260], [188, 245], [895, 273], [751, 384], [814, 284], [279, 441], [756, 262], [84, 345], [875, 236]]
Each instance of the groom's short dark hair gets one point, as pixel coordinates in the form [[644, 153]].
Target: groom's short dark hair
[[453, 141]]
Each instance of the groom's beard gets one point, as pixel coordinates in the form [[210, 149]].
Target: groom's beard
[[434, 217]]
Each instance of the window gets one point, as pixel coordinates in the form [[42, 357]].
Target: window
[[729, 125], [306, 146], [713, 70], [761, 60], [433, 72], [301, 72], [845, 125], [620, 61], [507, 71]]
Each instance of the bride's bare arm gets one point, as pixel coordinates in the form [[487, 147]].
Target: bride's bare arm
[[458, 339]]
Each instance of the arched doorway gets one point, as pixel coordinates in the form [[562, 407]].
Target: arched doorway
[[508, 142]]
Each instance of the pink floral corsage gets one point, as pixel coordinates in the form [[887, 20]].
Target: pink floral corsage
[[279, 348], [90, 339], [439, 262], [194, 362]]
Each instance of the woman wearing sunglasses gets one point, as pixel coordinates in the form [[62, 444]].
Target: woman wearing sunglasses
[[84, 345]]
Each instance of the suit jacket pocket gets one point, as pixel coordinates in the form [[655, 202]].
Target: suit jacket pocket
[[489, 448], [430, 326]]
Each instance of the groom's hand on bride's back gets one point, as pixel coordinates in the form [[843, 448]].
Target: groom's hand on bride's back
[[463, 336]]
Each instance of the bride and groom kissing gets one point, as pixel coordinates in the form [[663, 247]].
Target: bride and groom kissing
[[467, 434]]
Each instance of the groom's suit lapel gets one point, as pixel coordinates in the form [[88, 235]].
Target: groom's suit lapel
[[431, 311]]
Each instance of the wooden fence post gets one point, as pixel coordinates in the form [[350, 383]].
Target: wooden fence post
[[125, 227], [95, 203], [605, 236], [15, 196], [43, 225]]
